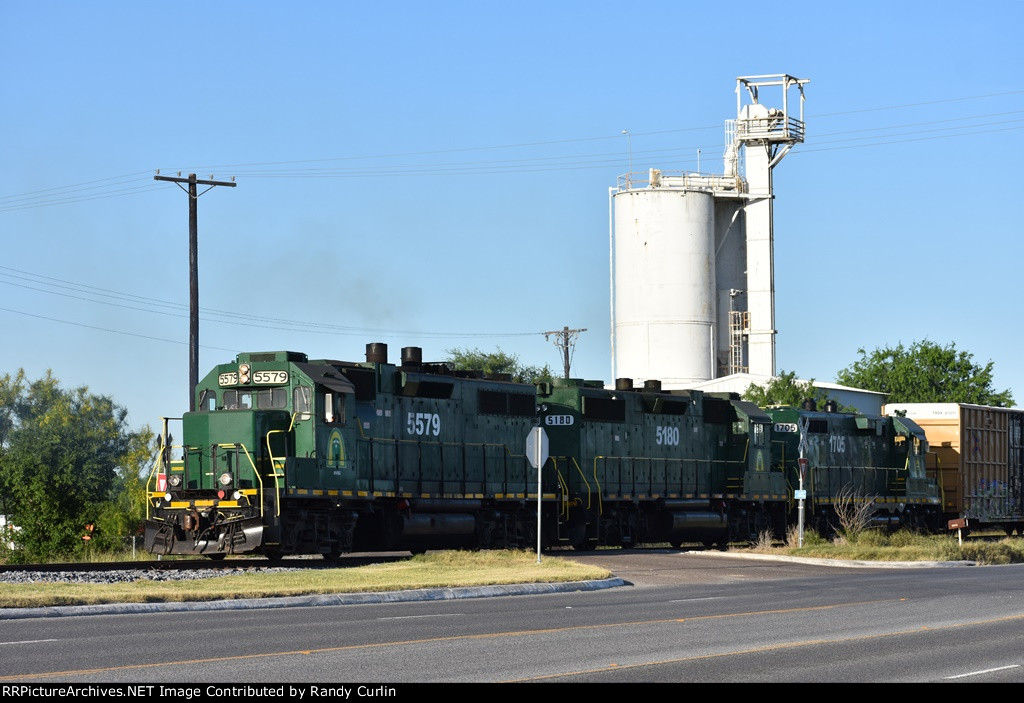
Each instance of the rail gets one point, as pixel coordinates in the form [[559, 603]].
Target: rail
[[564, 485], [771, 128], [160, 465], [679, 180]]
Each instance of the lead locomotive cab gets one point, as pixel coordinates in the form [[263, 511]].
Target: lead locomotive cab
[[225, 492]]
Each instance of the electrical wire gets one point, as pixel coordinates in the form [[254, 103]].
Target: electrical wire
[[112, 187]]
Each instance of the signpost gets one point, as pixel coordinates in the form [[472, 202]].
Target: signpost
[[537, 455], [960, 525], [801, 493]]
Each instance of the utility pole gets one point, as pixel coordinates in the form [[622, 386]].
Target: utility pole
[[565, 339], [193, 271]]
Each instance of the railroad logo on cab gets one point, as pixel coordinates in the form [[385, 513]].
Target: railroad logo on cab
[[336, 451]]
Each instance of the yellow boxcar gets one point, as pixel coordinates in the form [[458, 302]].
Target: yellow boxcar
[[976, 453]]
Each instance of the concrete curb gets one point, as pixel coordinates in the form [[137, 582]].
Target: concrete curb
[[521, 589], [840, 563]]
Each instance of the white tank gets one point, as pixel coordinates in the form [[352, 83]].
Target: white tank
[[663, 285]]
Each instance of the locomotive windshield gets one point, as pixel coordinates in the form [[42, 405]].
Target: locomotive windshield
[[262, 399]]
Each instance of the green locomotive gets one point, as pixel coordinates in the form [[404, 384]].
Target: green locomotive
[[866, 468], [286, 455], [645, 466]]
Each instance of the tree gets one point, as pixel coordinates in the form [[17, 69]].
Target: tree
[[498, 362], [784, 389], [925, 373], [61, 455], [123, 514]]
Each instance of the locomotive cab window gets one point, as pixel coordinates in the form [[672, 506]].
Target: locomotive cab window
[[301, 400], [207, 400], [759, 434], [272, 398], [333, 405], [237, 400]]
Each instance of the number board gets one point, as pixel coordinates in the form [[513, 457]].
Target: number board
[[263, 378], [270, 378]]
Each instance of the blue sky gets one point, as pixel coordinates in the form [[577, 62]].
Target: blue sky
[[437, 175]]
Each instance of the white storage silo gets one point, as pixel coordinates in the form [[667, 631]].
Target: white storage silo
[[664, 282], [685, 244]]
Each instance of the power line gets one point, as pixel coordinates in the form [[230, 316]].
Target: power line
[[115, 186], [193, 268], [565, 340], [236, 317], [107, 329]]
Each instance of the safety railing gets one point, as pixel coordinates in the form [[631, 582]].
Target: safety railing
[[771, 128], [277, 466]]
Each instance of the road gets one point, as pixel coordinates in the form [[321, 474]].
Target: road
[[689, 617]]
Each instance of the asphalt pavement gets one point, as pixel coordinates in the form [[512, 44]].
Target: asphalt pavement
[[658, 567]]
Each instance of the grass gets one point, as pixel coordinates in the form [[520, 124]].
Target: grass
[[431, 570], [877, 545], [460, 568]]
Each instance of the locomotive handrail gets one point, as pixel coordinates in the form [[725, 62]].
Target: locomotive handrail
[[248, 456], [937, 478], [274, 468], [400, 440], [600, 501], [682, 461], [155, 471], [564, 511], [851, 469], [584, 477]]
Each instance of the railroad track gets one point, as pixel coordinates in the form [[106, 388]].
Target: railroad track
[[241, 564]]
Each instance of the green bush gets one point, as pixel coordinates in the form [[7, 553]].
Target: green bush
[[812, 538], [1005, 552], [909, 538], [868, 538]]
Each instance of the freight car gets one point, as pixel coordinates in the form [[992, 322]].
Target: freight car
[[854, 463], [286, 455], [977, 453]]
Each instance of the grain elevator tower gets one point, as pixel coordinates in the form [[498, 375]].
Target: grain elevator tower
[[692, 271]]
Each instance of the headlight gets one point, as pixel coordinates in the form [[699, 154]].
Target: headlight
[[225, 479], [174, 481], [236, 495], [167, 497]]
